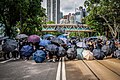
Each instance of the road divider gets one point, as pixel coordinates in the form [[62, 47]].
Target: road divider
[[58, 77], [61, 72]]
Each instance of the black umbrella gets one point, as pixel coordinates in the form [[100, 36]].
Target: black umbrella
[[71, 53], [9, 45], [57, 41], [20, 36], [61, 52], [51, 47], [98, 54], [2, 38]]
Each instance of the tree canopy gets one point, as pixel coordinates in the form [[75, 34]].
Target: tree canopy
[[27, 15], [104, 14]]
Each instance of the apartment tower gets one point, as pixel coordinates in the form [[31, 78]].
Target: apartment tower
[[53, 11]]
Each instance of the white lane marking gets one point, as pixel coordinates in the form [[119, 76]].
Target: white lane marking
[[6, 61], [58, 70], [63, 70]]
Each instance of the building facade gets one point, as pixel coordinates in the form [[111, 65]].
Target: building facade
[[72, 19], [53, 10], [79, 15], [61, 15]]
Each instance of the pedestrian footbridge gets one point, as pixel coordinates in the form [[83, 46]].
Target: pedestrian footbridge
[[66, 27]]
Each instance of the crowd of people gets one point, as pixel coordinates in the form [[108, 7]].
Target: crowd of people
[[99, 48]]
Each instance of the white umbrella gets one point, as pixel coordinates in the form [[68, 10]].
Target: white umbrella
[[87, 54]]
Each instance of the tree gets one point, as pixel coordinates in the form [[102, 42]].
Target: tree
[[9, 14], [27, 15], [107, 12], [50, 22]]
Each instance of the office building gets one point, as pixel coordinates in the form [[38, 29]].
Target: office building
[[53, 10], [61, 15], [79, 15]]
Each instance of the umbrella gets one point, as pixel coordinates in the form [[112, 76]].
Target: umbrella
[[87, 54], [71, 53], [81, 44], [20, 36], [39, 56], [92, 38], [47, 36], [26, 50], [57, 41], [51, 47], [2, 38], [61, 52], [33, 38], [70, 50], [98, 54], [9, 45], [62, 36], [63, 39], [44, 42]]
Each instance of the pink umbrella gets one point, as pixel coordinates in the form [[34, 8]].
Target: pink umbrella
[[33, 38]]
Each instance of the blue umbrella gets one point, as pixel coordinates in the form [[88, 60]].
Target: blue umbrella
[[47, 36], [62, 36], [51, 47], [26, 50], [39, 56], [44, 43]]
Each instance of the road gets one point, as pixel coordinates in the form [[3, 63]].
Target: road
[[28, 70], [107, 69]]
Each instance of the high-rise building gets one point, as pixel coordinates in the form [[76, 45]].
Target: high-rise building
[[61, 15], [53, 10], [79, 15]]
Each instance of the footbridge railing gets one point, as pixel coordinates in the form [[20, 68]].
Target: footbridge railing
[[66, 27]]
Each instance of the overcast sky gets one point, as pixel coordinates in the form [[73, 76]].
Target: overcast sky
[[67, 6]]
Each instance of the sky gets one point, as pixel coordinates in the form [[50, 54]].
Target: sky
[[67, 6]]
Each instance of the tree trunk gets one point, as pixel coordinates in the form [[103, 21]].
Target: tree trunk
[[113, 30]]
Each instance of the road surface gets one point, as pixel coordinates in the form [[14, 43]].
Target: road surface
[[107, 69]]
